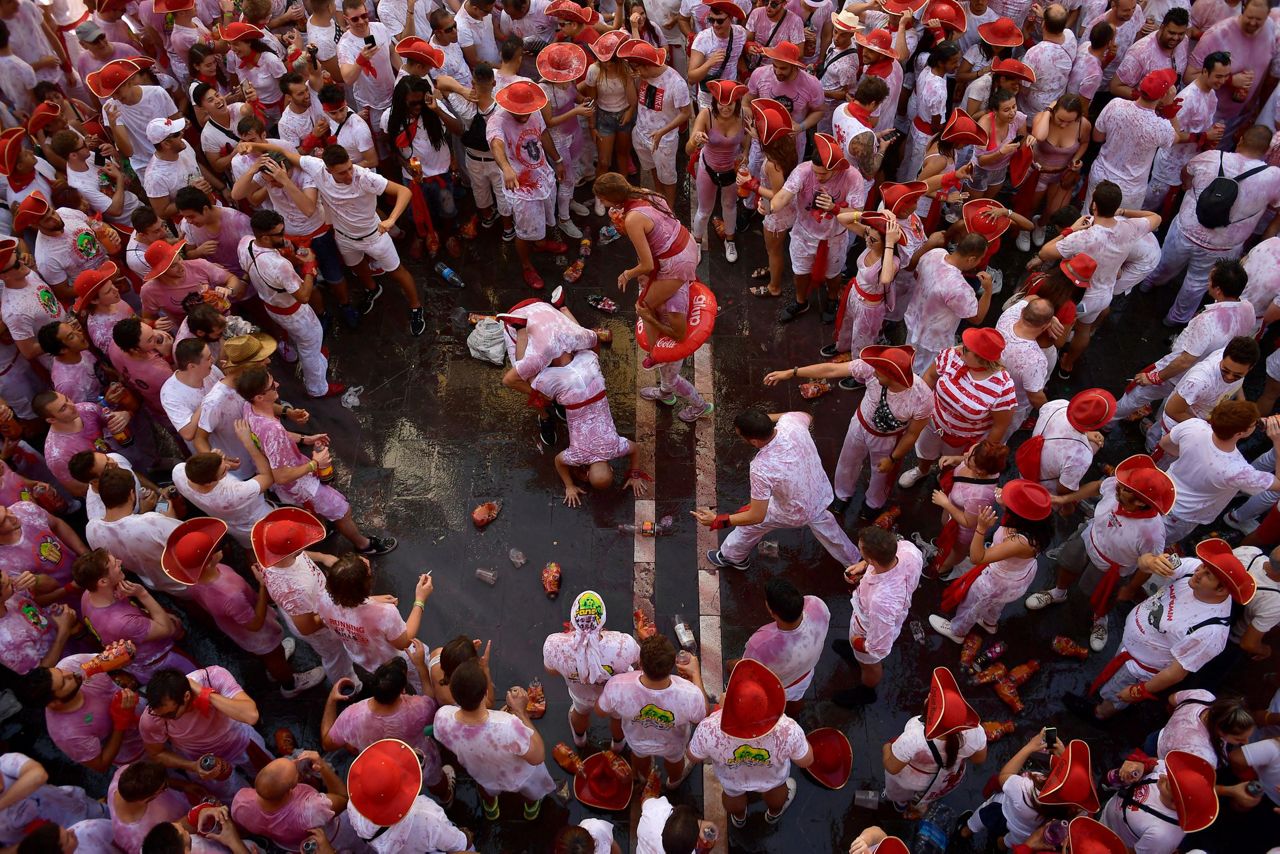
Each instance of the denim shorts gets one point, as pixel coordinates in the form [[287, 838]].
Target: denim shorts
[[328, 259], [438, 191], [608, 124]]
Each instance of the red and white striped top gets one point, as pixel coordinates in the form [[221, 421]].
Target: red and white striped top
[[963, 406]]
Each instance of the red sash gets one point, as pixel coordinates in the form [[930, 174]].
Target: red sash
[[957, 590], [600, 395], [282, 311], [921, 125], [1114, 665]]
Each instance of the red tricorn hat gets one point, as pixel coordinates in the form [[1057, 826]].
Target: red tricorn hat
[[877, 220], [10, 147], [880, 41], [1091, 409], [42, 115], [1070, 780], [772, 119], [521, 98], [421, 50], [106, 80], [828, 152], [89, 282], [961, 130], [1020, 165], [160, 255], [9, 248], [599, 786], [1002, 32], [567, 10], [733, 10], [984, 342], [384, 781], [1140, 474], [1192, 782], [893, 362], [283, 532], [30, 211], [897, 7], [1086, 836], [1027, 498], [515, 321], [562, 62], [726, 91], [978, 221], [948, 13], [239, 31], [946, 710], [188, 548], [753, 701], [608, 43], [168, 7], [1217, 555], [832, 757], [1079, 268], [902, 198], [639, 50], [1014, 68], [785, 52]]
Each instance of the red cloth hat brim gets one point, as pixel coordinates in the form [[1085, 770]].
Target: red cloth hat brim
[[214, 529], [312, 529], [1087, 836], [832, 757], [981, 342], [733, 10], [562, 62], [893, 361], [772, 119], [608, 43], [30, 211], [10, 147], [598, 787], [864, 40], [1192, 781], [1084, 413], [368, 777], [93, 281], [1217, 555], [1027, 498], [521, 98], [753, 702], [904, 196], [1133, 473], [1002, 32], [977, 222], [1070, 780]]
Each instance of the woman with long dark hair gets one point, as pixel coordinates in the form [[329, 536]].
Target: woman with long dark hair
[[254, 62], [416, 124], [1002, 122], [1059, 136], [718, 132], [773, 130], [929, 758], [610, 85]]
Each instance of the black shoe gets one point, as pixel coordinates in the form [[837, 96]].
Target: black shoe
[[379, 546], [830, 308], [854, 697], [417, 322], [850, 384], [547, 431], [1065, 376], [838, 505], [559, 412], [716, 559], [350, 315], [1081, 708], [371, 297], [829, 351], [867, 512], [843, 648], [792, 311]]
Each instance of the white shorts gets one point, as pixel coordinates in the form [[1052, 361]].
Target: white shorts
[[486, 183], [804, 251], [584, 697], [1095, 302], [930, 445], [663, 161], [379, 248], [532, 217]]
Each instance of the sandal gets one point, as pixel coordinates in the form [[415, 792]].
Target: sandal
[[763, 291], [531, 810], [490, 808], [760, 273]]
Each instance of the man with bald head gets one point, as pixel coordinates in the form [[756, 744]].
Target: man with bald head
[[1023, 356], [284, 809], [1051, 59]]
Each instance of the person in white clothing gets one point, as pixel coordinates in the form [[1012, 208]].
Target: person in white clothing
[[1217, 378], [130, 106], [367, 60], [65, 246], [286, 295], [791, 644], [182, 394], [173, 166], [205, 480], [1159, 808], [104, 187]]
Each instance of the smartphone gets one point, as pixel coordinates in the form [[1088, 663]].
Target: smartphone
[[1050, 736], [370, 41], [98, 159], [162, 506]]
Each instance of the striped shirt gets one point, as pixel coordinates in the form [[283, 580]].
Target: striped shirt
[[962, 405]]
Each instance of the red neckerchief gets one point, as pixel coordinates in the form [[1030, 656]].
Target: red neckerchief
[[209, 79], [366, 65], [405, 138], [1135, 514], [251, 61], [18, 184], [881, 69], [861, 113]]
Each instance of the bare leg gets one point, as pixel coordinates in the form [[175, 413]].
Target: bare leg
[[736, 805], [775, 798], [804, 284], [402, 278], [623, 146], [580, 722], [1267, 401], [604, 154], [278, 667], [347, 527], [773, 243], [871, 674]]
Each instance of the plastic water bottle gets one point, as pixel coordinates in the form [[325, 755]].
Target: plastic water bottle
[[684, 634], [608, 234], [933, 830], [451, 278]]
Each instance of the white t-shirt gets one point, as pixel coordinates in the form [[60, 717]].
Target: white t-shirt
[[1160, 630], [27, 309], [1206, 477], [295, 127], [325, 38], [134, 118], [1263, 611], [352, 207], [654, 814], [656, 722], [749, 765], [222, 407], [239, 503], [1264, 758], [1067, 454], [1185, 730], [214, 139], [92, 191], [138, 541], [180, 401], [164, 178], [296, 223], [93, 506], [478, 34], [370, 91], [62, 257], [661, 98], [271, 274]]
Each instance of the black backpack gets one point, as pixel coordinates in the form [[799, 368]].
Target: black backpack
[[1213, 207]]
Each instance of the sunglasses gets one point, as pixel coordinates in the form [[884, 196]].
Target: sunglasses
[[358, 18], [453, 28], [715, 22]]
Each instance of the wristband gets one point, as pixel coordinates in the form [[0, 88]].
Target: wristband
[[309, 269], [950, 181], [721, 521], [751, 185], [1066, 231], [313, 466], [1197, 139], [203, 702], [1146, 692], [1153, 377], [637, 474], [418, 603], [1137, 755], [122, 719]]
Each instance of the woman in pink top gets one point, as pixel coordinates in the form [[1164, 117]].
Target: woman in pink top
[[99, 304], [718, 132], [1059, 136], [1002, 122], [773, 129], [962, 494]]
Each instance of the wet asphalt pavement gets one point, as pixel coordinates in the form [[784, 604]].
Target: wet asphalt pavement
[[436, 434]]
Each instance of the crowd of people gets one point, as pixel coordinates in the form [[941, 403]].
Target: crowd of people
[[195, 193]]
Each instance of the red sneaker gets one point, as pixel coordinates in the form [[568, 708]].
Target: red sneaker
[[532, 279], [334, 390], [553, 247]]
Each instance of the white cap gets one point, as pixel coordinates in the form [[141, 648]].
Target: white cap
[[160, 129]]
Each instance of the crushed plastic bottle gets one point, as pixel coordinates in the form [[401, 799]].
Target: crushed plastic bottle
[[768, 548], [488, 576], [608, 234], [351, 397], [452, 279], [917, 631], [517, 558]]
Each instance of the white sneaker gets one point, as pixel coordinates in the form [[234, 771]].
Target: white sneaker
[[1098, 635], [579, 208], [304, 681], [942, 626], [598, 207], [911, 477], [570, 230], [791, 796], [1037, 235], [1244, 526], [1044, 599], [730, 252], [1023, 241], [290, 647]]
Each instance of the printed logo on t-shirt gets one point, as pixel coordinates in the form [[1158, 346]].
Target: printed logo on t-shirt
[[87, 244], [48, 301], [48, 549], [347, 630], [753, 757], [574, 677], [652, 716], [652, 96]]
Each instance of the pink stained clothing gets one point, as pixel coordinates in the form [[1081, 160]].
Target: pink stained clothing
[[707, 42], [788, 473], [492, 752], [1185, 730], [792, 653], [221, 408], [999, 584], [881, 602], [1134, 133], [550, 333], [721, 152], [1016, 128], [231, 603], [1258, 193], [124, 620], [970, 495], [360, 725], [813, 224], [59, 448], [281, 451], [1025, 362], [198, 275], [1086, 72], [1247, 52], [667, 234], [1158, 631], [1052, 63], [138, 540], [1199, 107], [919, 776], [619, 653], [802, 94], [593, 437], [146, 376], [1109, 246], [195, 734], [1206, 477], [26, 633], [942, 299], [863, 313], [886, 115], [773, 33], [82, 733], [1206, 13], [169, 805], [1015, 10], [25, 310], [12, 485], [288, 826], [37, 548], [232, 227], [1263, 266], [1113, 537], [1145, 55], [98, 325], [368, 631], [655, 721], [522, 141], [63, 256], [1066, 455], [78, 380], [87, 62], [1202, 388], [749, 765], [1126, 35], [1211, 329], [425, 828]]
